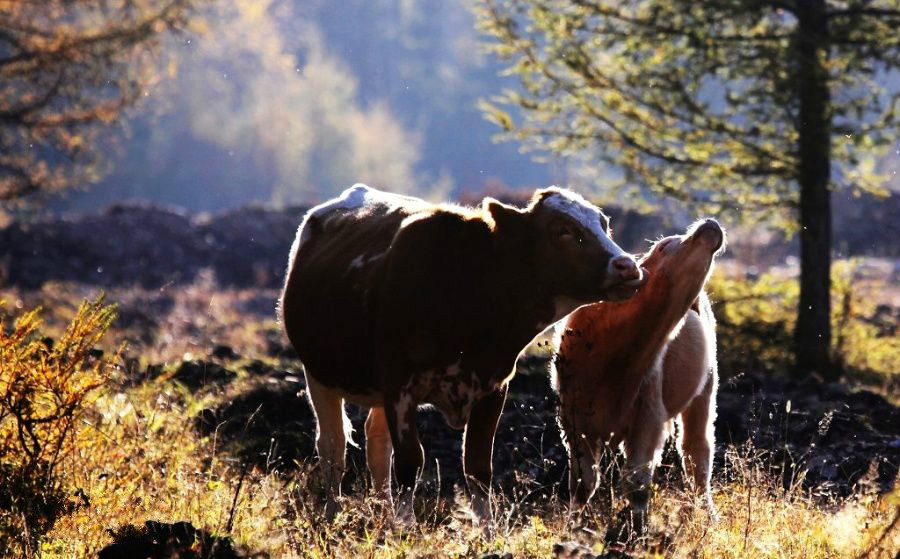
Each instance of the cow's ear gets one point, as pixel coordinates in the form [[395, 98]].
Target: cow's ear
[[503, 214]]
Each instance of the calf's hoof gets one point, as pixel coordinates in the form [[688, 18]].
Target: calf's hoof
[[629, 527]]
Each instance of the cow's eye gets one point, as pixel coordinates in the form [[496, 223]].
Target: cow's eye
[[569, 234]]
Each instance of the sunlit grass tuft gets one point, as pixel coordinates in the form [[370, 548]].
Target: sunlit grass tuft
[[146, 462]]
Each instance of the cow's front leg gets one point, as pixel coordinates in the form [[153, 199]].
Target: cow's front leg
[[478, 451], [400, 409]]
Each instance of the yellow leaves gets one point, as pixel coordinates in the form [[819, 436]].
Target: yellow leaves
[[659, 55], [496, 115], [198, 26], [45, 388], [253, 10]]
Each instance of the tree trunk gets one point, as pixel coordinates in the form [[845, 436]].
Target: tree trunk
[[812, 337]]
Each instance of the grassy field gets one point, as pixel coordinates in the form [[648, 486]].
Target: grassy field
[[140, 450]]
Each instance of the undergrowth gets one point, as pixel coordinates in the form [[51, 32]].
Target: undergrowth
[[132, 453], [755, 324], [47, 388]]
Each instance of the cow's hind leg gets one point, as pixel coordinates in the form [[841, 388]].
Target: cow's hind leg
[[698, 441], [332, 425], [400, 411], [378, 453]]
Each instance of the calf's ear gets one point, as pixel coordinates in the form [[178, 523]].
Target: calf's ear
[[503, 215]]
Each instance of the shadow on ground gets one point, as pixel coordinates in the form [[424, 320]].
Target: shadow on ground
[[835, 437]]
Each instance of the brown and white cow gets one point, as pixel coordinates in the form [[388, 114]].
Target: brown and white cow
[[625, 370], [392, 302]]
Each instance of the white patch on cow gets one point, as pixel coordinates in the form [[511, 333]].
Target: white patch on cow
[[358, 261], [584, 213], [357, 196], [353, 197], [556, 342], [453, 394], [363, 260], [401, 410]]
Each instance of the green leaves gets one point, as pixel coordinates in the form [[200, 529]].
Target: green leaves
[[697, 100]]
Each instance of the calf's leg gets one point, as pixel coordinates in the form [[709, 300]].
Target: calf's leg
[[400, 410], [378, 453], [478, 451], [583, 470], [643, 447], [698, 440], [331, 439]]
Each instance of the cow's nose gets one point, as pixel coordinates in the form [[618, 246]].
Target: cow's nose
[[625, 267]]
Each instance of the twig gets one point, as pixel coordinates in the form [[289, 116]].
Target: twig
[[749, 508], [882, 537], [237, 492]]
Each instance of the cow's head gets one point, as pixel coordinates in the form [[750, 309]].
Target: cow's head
[[575, 258], [684, 262]]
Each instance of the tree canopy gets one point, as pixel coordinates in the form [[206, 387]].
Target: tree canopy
[[697, 101], [67, 68], [754, 108]]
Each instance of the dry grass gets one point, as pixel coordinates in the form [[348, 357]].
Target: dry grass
[[139, 457], [142, 462]]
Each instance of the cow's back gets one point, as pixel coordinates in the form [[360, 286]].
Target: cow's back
[[333, 274]]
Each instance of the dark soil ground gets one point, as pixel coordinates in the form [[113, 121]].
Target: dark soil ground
[[824, 435]]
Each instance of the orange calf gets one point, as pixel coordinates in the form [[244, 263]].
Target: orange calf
[[625, 370]]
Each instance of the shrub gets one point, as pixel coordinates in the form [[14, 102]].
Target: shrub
[[755, 324], [45, 388]]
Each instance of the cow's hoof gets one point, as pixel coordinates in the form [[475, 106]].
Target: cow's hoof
[[332, 508], [484, 516], [405, 516]]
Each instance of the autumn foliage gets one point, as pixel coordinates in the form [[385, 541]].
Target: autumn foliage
[[46, 387]]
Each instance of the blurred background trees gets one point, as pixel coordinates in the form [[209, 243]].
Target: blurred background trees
[[683, 107], [289, 101], [753, 109], [67, 70]]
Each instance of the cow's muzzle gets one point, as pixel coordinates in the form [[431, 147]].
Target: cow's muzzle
[[624, 277]]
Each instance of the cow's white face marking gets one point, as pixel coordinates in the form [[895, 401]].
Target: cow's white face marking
[[586, 214]]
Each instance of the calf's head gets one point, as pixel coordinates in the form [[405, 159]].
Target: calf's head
[[574, 255], [681, 264]]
